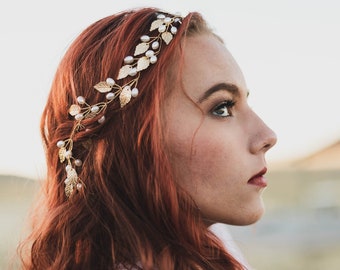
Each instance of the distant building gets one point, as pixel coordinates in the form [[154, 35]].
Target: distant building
[[327, 158]]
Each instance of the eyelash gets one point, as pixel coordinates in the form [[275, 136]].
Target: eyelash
[[223, 107]]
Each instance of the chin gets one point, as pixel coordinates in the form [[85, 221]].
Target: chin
[[253, 216], [252, 219], [237, 220]]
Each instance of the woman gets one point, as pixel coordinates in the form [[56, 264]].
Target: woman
[[149, 140]]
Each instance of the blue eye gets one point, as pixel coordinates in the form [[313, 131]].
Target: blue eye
[[224, 109]]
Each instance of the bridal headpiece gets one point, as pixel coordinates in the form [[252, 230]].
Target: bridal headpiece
[[145, 54]]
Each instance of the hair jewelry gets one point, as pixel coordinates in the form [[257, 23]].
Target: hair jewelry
[[145, 54]]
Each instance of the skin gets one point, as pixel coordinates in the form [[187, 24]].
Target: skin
[[215, 147]]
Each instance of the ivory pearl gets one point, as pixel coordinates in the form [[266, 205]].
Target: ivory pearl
[[79, 117], [162, 28], [133, 72], [149, 53], [145, 38], [60, 144], [110, 81], [128, 59], [155, 45], [110, 96], [68, 154], [101, 120], [78, 162], [153, 59], [94, 109], [167, 20], [79, 186], [81, 100], [134, 92], [173, 30]]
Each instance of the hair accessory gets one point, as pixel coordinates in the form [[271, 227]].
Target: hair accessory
[[145, 54]]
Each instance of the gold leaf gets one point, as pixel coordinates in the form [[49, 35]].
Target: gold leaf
[[155, 24], [167, 37], [69, 190], [124, 72], [62, 152], [72, 179], [125, 96], [102, 87], [72, 176], [74, 109], [141, 48], [91, 115], [143, 63]]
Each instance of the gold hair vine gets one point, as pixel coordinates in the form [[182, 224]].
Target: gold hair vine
[[133, 65]]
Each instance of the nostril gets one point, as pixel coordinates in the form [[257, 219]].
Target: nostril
[[268, 146], [271, 142]]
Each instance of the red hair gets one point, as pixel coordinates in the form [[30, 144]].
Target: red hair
[[131, 209]]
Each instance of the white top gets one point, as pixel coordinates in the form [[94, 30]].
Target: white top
[[223, 233]]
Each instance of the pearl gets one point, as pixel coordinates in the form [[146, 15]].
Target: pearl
[[149, 53], [110, 96], [173, 30], [177, 19], [162, 28], [153, 59], [134, 92], [68, 154], [110, 81], [167, 20], [145, 38], [67, 181], [79, 186], [155, 45], [78, 162], [60, 144], [101, 120], [81, 100], [79, 117], [161, 16], [133, 72], [68, 168], [128, 59], [95, 109]]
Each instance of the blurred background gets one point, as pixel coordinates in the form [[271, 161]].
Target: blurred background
[[289, 53]]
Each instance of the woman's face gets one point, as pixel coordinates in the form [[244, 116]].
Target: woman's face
[[216, 143]]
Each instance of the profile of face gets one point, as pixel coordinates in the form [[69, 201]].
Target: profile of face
[[216, 143]]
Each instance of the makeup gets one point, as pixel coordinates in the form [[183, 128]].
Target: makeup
[[259, 179]]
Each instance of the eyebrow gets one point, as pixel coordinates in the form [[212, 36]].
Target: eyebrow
[[229, 87]]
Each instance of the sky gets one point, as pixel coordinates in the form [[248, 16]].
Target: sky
[[288, 50]]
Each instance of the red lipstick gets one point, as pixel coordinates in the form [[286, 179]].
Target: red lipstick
[[258, 179]]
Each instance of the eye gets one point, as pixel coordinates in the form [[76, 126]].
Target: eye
[[224, 109]]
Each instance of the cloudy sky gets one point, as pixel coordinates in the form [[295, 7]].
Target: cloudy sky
[[289, 51]]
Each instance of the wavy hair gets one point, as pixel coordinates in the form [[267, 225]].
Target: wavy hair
[[132, 212]]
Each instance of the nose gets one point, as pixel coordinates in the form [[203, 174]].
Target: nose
[[262, 137]]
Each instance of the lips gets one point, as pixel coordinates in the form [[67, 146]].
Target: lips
[[259, 179]]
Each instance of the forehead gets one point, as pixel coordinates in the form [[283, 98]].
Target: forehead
[[208, 62]]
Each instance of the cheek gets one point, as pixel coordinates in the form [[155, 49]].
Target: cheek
[[181, 128], [201, 157], [208, 157]]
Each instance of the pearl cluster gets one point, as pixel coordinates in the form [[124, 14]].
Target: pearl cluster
[[145, 54]]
